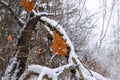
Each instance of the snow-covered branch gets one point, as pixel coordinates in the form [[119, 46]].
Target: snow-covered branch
[[82, 72], [45, 71], [12, 68], [56, 25], [52, 73], [42, 13]]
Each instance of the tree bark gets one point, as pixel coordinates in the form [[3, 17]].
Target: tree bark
[[24, 43]]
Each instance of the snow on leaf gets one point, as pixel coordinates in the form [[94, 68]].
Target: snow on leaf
[[58, 45], [28, 5]]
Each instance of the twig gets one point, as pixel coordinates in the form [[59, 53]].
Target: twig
[[86, 67], [80, 72]]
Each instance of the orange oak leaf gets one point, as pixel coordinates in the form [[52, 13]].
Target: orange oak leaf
[[58, 45], [9, 38], [28, 5], [23, 3]]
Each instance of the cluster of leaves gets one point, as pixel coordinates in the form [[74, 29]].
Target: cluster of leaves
[[27, 4], [59, 45]]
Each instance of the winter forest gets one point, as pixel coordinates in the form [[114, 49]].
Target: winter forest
[[59, 39]]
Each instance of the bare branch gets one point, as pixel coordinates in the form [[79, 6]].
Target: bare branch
[[108, 22], [12, 12]]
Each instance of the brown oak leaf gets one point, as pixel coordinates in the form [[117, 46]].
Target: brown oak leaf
[[28, 5], [59, 45]]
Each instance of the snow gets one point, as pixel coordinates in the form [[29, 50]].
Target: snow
[[22, 77], [23, 14], [42, 13], [53, 56], [92, 5], [62, 31], [38, 13], [50, 4], [9, 69], [98, 76], [21, 31], [16, 71], [12, 64], [43, 70], [86, 74], [53, 73], [48, 29]]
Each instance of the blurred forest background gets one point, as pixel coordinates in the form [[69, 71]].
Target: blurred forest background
[[93, 27]]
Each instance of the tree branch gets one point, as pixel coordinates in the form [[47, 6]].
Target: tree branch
[[72, 57], [46, 71]]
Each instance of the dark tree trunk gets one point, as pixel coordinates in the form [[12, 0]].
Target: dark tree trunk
[[24, 43]]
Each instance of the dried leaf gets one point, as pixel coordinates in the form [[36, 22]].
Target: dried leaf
[[33, 32], [9, 38], [3, 59], [28, 5], [58, 45], [23, 3], [38, 50]]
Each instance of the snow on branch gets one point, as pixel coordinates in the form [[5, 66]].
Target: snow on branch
[[37, 7], [12, 68], [42, 13], [51, 73], [82, 72], [57, 26]]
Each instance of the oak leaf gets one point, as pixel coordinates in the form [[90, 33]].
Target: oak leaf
[[9, 38], [28, 5], [59, 45]]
